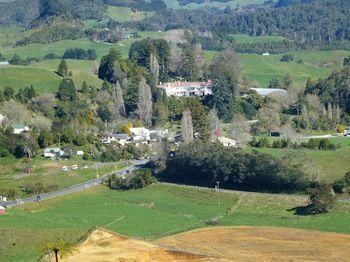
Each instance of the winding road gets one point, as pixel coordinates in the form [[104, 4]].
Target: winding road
[[136, 164]]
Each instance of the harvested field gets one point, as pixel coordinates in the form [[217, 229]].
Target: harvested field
[[107, 246], [262, 244]]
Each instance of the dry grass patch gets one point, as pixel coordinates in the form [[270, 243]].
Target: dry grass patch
[[103, 245], [262, 244]]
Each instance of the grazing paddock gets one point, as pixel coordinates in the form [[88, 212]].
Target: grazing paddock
[[152, 213]]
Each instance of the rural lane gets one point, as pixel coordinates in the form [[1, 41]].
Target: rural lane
[[136, 164]]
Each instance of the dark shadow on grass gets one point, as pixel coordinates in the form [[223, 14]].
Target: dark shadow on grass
[[301, 210]]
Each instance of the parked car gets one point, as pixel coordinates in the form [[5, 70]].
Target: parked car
[[74, 167], [64, 168]]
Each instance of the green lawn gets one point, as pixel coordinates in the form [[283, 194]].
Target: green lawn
[[124, 14], [149, 213]]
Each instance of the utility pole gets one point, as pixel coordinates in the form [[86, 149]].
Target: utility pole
[[217, 190]]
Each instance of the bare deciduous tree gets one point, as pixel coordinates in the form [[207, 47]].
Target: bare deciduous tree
[[270, 114], [29, 144], [45, 103], [144, 105], [187, 127], [16, 112], [240, 129], [41, 123], [214, 122]]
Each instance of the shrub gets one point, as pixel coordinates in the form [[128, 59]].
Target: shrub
[[110, 155], [287, 58], [321, 199], [260, 143], [8, 192], [139, 179], [339, 186]]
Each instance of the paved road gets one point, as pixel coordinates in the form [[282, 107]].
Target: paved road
[[136, 164]]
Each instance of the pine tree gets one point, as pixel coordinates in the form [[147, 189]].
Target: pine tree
[[84, 88], [186, 127], [67, 91], [63, 68], [190, 69], [144, 105]]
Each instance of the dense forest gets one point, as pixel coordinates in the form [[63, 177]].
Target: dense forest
[[27, 11], [319, 23]]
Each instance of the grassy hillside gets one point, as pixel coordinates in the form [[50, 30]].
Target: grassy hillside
[[328, 165], [150, 213], [246, 39], [315, 64], [59, 47], [124, 14], [43, 77], [38, 50]]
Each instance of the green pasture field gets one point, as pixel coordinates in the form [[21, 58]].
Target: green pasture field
[[43, 75], [219, 4], [315, 65], [48, 172], [329, 165], [150, 213], [59, 47], [246, 39], [124, 14]]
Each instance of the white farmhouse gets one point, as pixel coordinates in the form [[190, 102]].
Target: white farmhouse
[[140, 133], [187, 88]]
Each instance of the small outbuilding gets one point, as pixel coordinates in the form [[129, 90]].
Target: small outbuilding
[[228, 142], [2, 210], [54, 152]]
